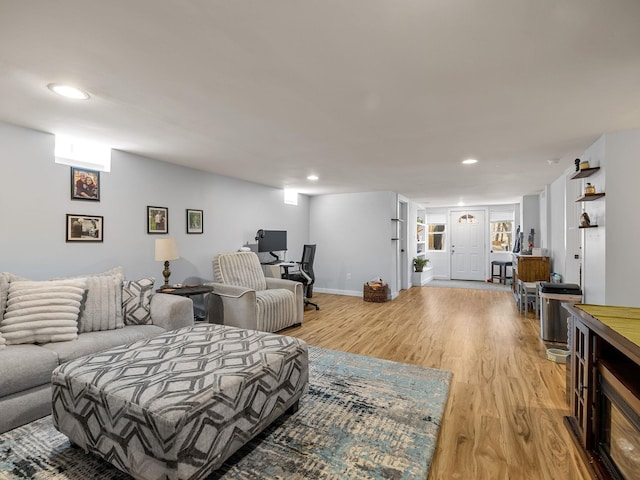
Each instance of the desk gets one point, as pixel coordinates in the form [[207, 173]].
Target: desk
[[278, 270]]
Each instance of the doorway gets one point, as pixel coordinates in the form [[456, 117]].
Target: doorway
[[402, 260], [468, 244]]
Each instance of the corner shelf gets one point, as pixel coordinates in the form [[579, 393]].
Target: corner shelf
[[584, 173]]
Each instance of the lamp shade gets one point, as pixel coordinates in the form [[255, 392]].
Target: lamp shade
[[166, 249]]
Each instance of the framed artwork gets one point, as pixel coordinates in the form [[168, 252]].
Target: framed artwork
[[157, 220], [85, 184], [84, 228], [194, 221]]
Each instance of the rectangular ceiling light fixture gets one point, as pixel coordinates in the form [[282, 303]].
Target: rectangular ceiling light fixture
[[82, 153]]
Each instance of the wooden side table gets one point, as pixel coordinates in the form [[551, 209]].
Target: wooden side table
[[188, 291]]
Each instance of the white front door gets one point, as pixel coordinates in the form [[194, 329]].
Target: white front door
[[468, 245]]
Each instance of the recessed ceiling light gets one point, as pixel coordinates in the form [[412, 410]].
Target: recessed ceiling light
[[68, 91], [313, 178], [469, 161]]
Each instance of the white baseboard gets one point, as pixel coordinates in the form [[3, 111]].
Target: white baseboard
[[350, 293]]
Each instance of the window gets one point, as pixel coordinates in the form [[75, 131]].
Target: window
[[501, 230], [467, 218], [82, 153], [436, 236]]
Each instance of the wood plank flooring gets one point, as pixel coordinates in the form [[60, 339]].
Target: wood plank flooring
[[504, 415]]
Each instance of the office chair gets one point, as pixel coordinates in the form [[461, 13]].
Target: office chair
[[305, 273]]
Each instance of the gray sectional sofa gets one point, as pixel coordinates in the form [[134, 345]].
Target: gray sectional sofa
[[111, 312]]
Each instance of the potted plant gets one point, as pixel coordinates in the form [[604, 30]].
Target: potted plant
[[419, 263]]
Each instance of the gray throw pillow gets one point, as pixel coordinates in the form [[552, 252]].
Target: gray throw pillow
[[136, 301]]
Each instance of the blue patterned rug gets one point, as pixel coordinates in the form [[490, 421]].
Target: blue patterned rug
[[363, 418]]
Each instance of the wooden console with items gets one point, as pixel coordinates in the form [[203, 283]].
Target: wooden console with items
[[604, 388]]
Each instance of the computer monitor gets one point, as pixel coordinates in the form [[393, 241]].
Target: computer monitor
[[271, 240]]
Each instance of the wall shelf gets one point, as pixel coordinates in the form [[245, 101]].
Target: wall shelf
[[584, 173], [589, 226], [590, 197]]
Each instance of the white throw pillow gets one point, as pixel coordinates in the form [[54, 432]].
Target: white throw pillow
[[136, 301], [5, 279], [102, 308], [4, 292], [42, 312]]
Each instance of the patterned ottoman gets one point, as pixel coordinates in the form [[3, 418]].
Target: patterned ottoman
[[176, 406]]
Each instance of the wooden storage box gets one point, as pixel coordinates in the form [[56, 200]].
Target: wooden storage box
[[376, 292]]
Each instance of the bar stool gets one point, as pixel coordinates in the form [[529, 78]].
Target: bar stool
[[502, 270]]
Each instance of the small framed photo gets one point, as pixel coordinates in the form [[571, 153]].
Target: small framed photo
[[157, 220], [194, 221], [84, 228], [85, 184]]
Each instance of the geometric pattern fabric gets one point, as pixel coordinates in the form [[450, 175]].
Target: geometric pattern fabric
[[179, 404], [136, 301]]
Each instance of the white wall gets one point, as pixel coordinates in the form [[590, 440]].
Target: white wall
[[595, 250], [530, 219], [609, 260], [573, 234], [556, 219], [35, 197], [353, 233], [620, 223]]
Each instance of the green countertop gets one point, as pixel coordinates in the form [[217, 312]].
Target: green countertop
[[623, 320]]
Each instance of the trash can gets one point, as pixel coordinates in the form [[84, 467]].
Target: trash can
[[553, 318]]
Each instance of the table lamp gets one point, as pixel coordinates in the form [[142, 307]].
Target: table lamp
[[166, 249]]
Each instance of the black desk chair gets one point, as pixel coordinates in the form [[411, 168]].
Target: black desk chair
[[305, 273]]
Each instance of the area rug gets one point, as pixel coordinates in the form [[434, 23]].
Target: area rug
[[362, 418]]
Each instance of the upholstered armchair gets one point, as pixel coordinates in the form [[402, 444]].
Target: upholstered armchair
[[243, 297]]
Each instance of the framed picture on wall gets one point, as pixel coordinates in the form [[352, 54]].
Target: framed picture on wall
[[194, 221], [84, 228], [157, 220], [85, 184]]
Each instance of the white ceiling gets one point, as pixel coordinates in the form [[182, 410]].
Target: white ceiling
[[367, 94]]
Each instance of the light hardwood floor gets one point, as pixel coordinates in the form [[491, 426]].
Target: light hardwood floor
[[504, 415]]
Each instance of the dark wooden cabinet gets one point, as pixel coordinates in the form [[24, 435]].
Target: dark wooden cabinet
[[582, 349], [604, 388]]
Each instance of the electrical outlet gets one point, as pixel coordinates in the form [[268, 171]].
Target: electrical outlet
[[348, 276]]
